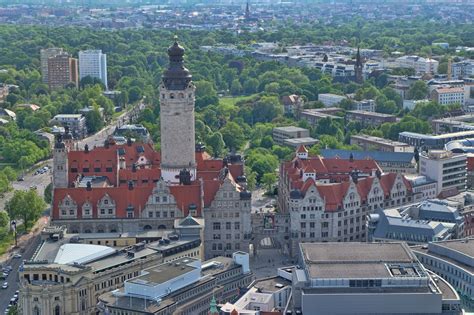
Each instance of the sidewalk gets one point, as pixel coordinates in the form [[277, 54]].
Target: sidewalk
[[24, 239]]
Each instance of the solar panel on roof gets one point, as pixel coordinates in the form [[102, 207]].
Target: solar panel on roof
[[121, 151]]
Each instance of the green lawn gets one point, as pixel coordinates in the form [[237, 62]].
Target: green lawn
[[231, 100]]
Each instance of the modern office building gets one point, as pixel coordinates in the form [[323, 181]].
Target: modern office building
[[313, 116], [62, 70], [185, 286], [289, 132], [369, 118], [447, 169], [139, 132], [75, 122], [420, 64], [45, 54], [453, 261], [367, 278], [453, 124], [330, 100], [420, 223], [462, 69], [389, 162], [369, 143], [365, 105], [93, 63], [428, 142]]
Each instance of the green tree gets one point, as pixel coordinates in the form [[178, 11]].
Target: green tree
[[251, 180], [266, 142], [269, 179], [10, 173], [4, 220], [48, 193], [233, 135], [216, 142], [236, 87], [135, 94], [25, 205], [418, 91], [94, 121], [4, 184], [266, 109]]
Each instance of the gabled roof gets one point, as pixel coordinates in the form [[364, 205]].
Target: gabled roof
[[302, 149]]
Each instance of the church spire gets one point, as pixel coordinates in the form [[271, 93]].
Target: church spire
[[247, 11], [213, 307], [358, 67]]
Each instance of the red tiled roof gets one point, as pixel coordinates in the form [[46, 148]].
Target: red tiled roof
[[338, 172], [144, 178]]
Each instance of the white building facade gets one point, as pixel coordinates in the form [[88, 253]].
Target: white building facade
[[447, 169], [93, 63]]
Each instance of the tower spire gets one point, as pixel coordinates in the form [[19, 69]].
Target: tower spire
[[213, 307], [247, 10], [177, 95], [176, 77], [358, 67]]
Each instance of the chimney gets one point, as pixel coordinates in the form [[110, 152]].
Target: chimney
[[88, 186], [86, 148], [130, 185]]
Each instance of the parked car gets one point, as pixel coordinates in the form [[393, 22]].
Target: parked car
[[17, 255], [20, 178], [5, 285]]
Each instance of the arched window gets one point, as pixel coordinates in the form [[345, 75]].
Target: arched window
[[36, 311], [171, 95], [57, 310]]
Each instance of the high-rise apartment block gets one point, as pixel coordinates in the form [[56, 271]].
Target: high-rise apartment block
[[62, 70], [45, 55], [93, 63]]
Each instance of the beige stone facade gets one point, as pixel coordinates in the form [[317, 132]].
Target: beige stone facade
[[228, 226]]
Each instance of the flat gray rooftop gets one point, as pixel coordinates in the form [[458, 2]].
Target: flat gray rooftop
[[464, 246], [290, 129], [271, 284], [358, 260], [164, 272], [356, 252]]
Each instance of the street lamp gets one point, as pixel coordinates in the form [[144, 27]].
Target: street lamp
[[13, 225]]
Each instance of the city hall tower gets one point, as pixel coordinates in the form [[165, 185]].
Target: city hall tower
[[177, 118]]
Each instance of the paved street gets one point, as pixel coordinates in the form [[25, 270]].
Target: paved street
[[12, 279]]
